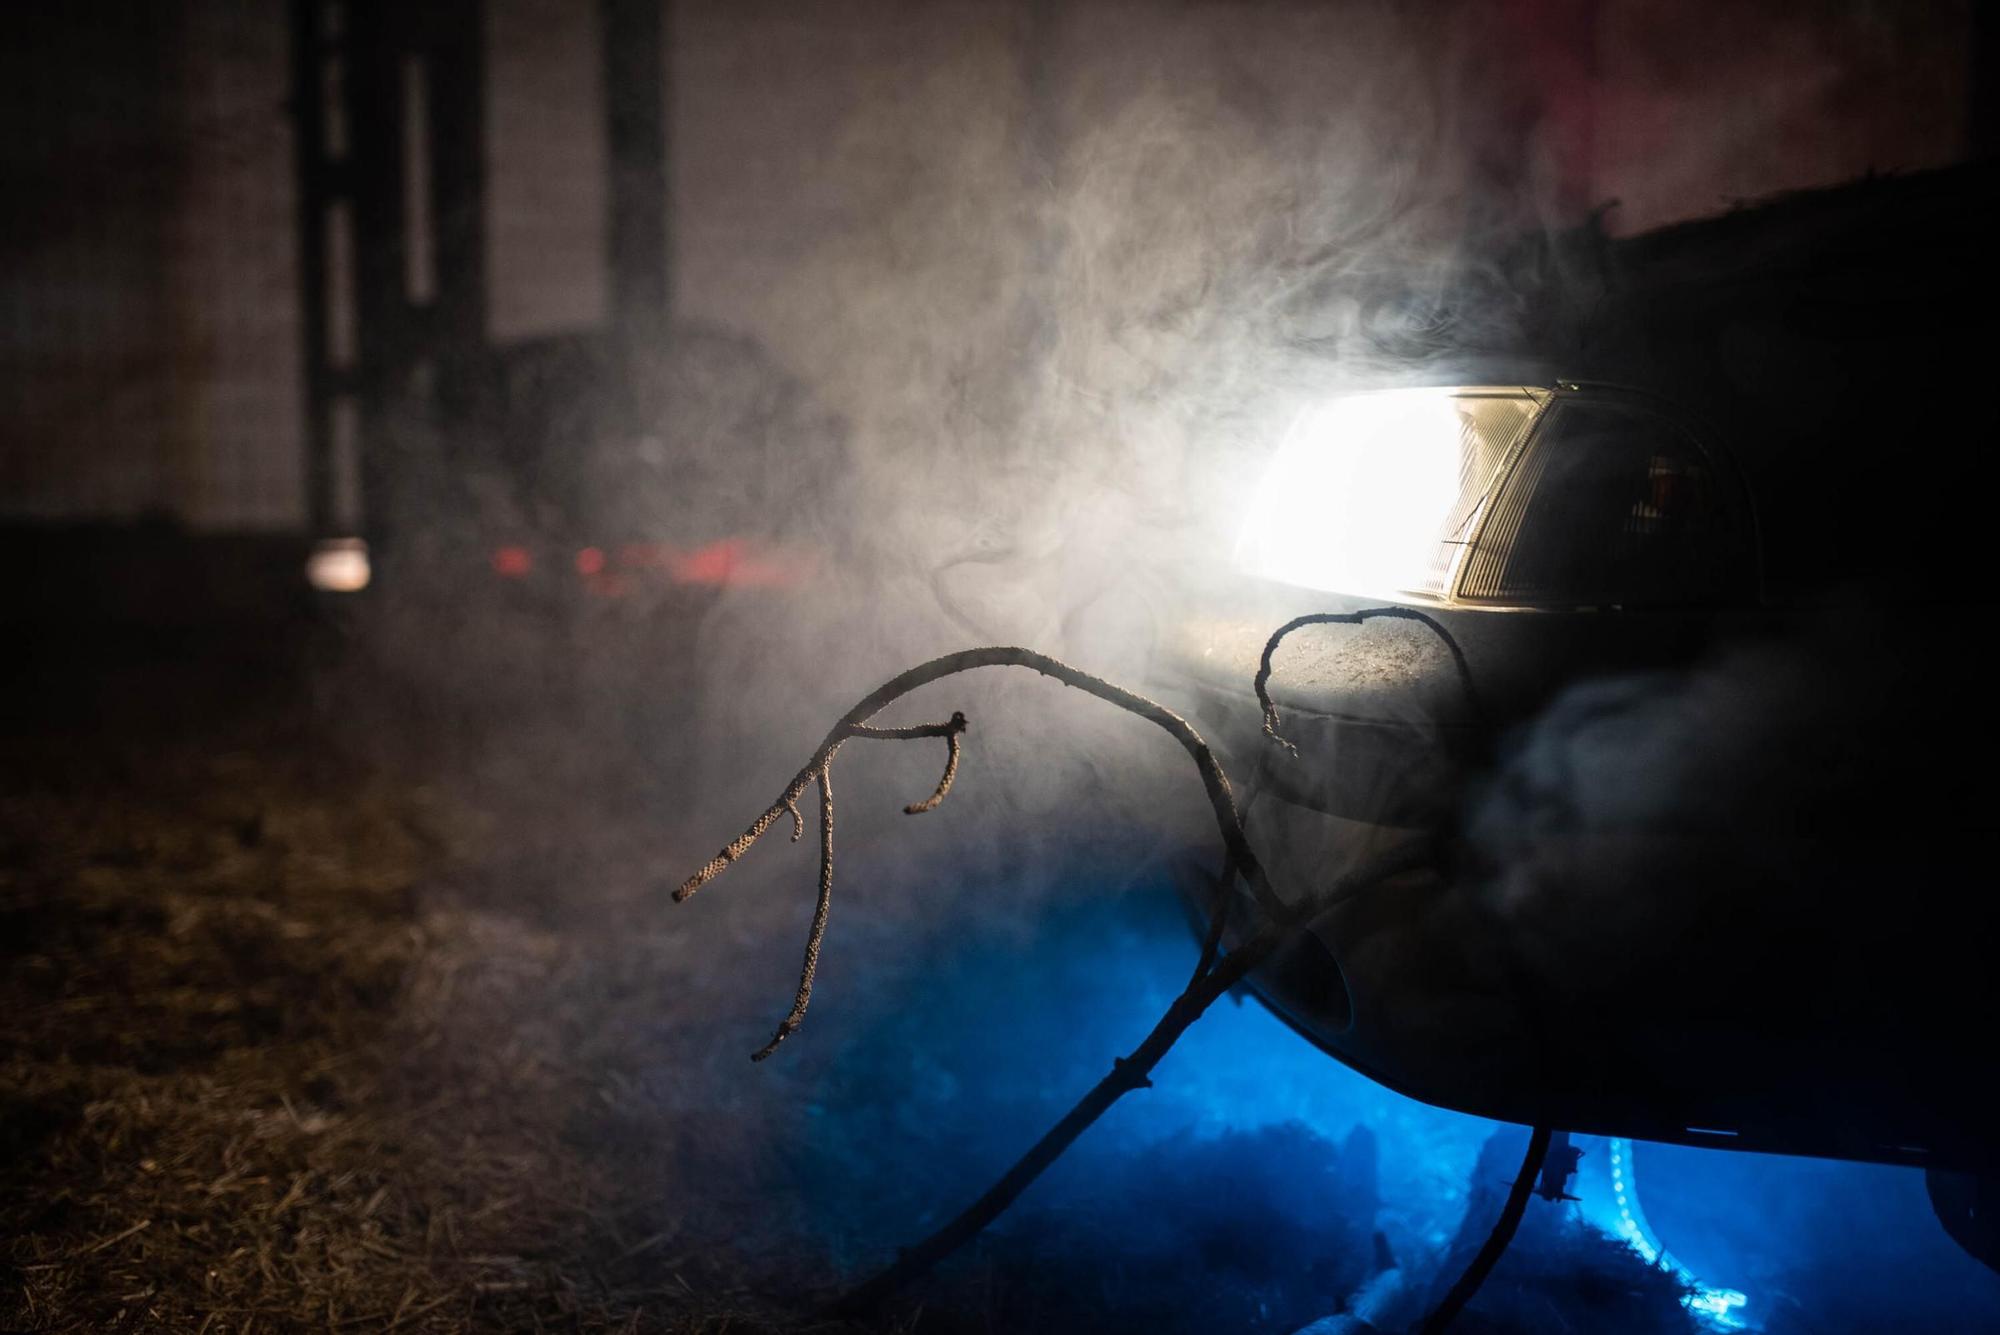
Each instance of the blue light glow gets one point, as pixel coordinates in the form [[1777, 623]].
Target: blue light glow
[[1241, 1192], [1719, 1307]]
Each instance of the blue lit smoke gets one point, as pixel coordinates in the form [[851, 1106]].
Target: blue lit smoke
[[1242, 1167], [1246, 1189]]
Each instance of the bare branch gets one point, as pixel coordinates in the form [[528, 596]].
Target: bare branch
[[950, 727], [791, 1022], [1214, 976], [1262, 682], [944, 784], [1221, 798], [949, 730], [736, 848]]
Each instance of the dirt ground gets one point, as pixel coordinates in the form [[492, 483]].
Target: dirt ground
[[275, 1054], [314, 1015]]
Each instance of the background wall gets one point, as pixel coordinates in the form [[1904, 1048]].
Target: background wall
[[1018, 226]]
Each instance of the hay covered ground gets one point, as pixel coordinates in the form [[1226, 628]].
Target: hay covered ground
[[323, 1013], [272, 1055]]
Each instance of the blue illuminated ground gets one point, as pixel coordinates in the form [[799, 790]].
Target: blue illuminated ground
[[1243, 1190]]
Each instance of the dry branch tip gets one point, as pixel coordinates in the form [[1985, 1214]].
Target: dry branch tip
[[954, 728]]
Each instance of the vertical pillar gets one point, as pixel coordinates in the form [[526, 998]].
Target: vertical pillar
[[635, 90], [383, 337], [316, 191], [454, 52], [389, 101]]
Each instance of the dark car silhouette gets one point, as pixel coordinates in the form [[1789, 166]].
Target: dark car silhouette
[[1698, 743]]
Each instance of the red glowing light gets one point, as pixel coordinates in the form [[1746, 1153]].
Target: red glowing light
[[731, 563], [512, 562], [590, 561], [713, 564], [644, 555]]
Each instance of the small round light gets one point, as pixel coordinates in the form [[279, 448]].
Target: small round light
[[338, 565]]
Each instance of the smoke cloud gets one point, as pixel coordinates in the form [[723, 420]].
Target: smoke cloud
[[986, 316]]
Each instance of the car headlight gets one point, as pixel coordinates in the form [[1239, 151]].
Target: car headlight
[[1376, 494]]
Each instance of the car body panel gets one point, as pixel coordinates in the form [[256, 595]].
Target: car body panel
[[1804, 995]]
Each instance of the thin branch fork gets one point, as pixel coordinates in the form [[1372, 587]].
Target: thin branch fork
[[854, 723], [950, 731], [1214, 975]]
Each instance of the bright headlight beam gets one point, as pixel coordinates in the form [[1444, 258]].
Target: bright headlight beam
[[1371, 494]]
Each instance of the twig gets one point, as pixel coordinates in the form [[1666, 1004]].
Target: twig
[[1496, 1242], [1214, 975], [117, 1237], [950, 771], [854, 724], [790, 1024], [1262, 682], [949, 728]]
